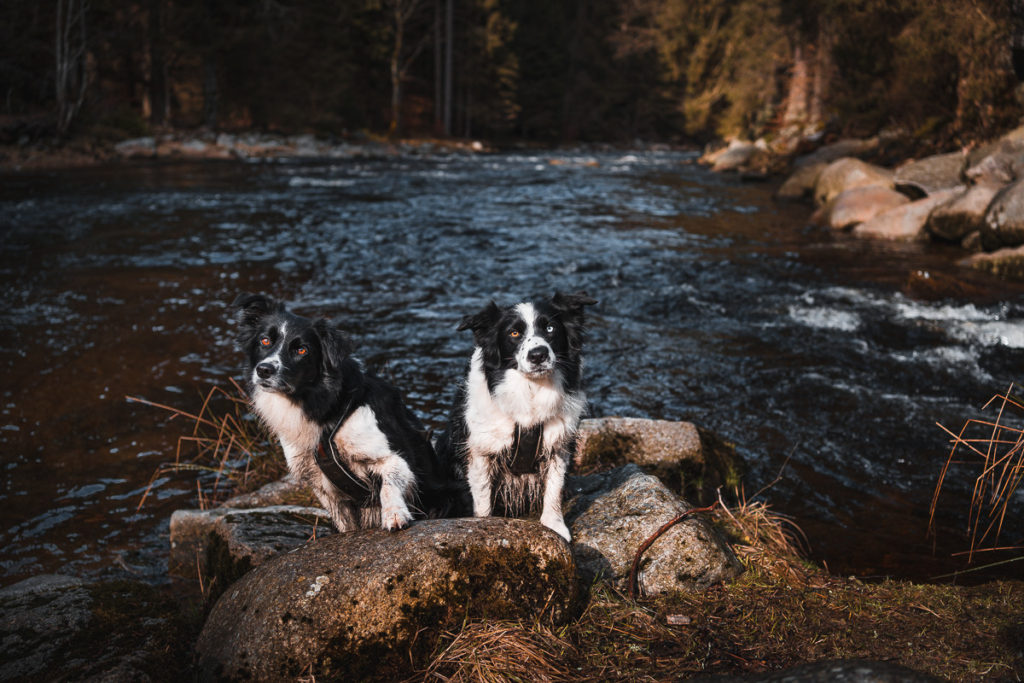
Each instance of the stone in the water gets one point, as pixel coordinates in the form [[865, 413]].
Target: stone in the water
[[931, 174], [963, 214], [370, 603], [845, 174], [611, 514]]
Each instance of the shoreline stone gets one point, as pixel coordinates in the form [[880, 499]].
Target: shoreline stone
[[373, 601], [611, 514]]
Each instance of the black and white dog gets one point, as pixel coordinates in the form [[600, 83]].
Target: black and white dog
[[345, 433], [513, 429]]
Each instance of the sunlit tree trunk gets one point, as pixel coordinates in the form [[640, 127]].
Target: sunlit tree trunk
[[71, 76]]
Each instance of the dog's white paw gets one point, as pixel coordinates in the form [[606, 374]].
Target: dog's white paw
[[395, 518], [558, 526]]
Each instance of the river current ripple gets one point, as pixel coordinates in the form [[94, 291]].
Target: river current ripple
[[826, 360]]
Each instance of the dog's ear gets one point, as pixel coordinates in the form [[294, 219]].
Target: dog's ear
[[572, 303], [483, 324], [335, 346], [251, 309], [570, 310]]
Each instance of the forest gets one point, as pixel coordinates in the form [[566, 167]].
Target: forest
[[551, 71]]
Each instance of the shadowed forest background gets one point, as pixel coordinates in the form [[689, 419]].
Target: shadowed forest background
[[945, 71]]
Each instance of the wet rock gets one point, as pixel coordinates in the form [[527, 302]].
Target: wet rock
[[1004, 220], [801, 182], [997, 164], [690, 461], [848, 147], [905, 223], [737, 155], [861, 204], [846, 174], [932, 174], [1007, 263], [57, 627], [612, 513], [371, 601], [136, 147], [285, 491], [833, 671], [220, 545], [954, 219]]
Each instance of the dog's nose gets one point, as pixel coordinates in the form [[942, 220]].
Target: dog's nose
[[537, 355], [266, 370]]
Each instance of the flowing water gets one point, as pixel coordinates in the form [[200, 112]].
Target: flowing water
[[826, 360]]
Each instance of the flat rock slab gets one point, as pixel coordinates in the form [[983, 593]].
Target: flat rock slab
[[220, 545], [1008, 262], [611, 514], [833, 671], [905, 223], [369, 602], [638, 440], [932, 174], [1004, 219]]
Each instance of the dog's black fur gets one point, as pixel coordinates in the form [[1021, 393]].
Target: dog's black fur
[[512, 433], [312, 394]]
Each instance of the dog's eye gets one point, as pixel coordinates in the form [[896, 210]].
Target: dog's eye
[[264, 341], [301, 351], [514, 334], [550, 328]]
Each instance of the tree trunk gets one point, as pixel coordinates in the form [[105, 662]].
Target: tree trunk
[[70, 77], [396, 69], [157, 65], [211, 92], [449, 59], [438, 71]]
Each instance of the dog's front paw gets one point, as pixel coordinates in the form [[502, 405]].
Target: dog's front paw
[[393, 519], [558, 526]]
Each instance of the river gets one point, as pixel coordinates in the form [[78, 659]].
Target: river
[[826, 360]]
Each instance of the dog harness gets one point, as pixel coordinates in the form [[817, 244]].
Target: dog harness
[[527, 445], [330, 462]]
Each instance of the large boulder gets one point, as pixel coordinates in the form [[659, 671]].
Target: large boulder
[[222, 544], [689, 460], [369, 603], [997, 164], [801, 181], [1004, 220], [611, 514], [925, 177], [56, 627], [845, 174], [905, 223], [1008, 262], [861, 204], [954, 219]]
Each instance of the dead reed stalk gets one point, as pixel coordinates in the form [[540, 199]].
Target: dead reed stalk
[[998, 449], [223, 440]]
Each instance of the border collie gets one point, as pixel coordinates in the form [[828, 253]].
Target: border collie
[[513, 429], [345, 433]]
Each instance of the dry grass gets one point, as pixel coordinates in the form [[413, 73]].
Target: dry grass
[[222, 440], [496, 652], [997, 448]]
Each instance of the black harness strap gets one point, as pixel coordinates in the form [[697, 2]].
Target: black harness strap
[[526, 448], [330, 462]]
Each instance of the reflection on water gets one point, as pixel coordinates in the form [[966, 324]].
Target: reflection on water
[[805, 349]]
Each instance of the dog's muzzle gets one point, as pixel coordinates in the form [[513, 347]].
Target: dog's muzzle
[[266, 370], [539, 361]]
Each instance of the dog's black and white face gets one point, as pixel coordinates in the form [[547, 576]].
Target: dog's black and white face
[[286, 353], [537, 339]]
